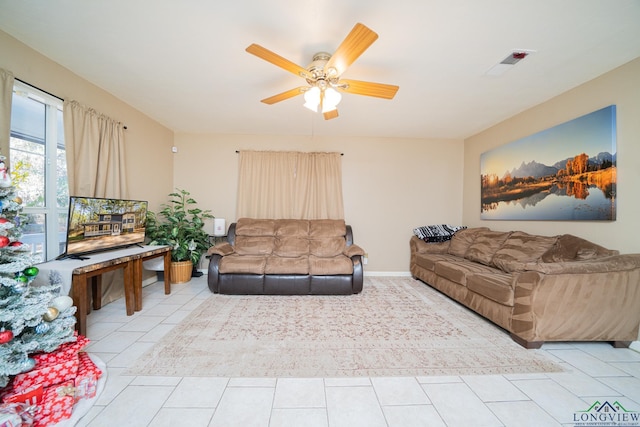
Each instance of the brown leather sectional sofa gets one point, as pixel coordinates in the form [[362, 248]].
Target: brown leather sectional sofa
[[539, 288], [287, 257]]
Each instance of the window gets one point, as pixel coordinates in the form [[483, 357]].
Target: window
[[39, 168]]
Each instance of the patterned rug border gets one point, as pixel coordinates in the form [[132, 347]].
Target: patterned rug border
[[384, 331]]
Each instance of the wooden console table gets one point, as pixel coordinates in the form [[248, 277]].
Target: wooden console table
[[82, 274]]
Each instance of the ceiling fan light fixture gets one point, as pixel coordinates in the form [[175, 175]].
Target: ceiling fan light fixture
[[323, 75], [312, 98], [330, 99]]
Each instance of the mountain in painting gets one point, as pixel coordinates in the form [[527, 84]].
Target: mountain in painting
[[538, 170], [534, 169]]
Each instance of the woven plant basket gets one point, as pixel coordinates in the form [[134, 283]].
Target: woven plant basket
[[181, 271]]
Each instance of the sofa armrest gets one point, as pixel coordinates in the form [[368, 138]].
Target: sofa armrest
[[596, 300], [358, 274], [213, 277], [600, 265], [222, 249], [418, 245], [353, 250]]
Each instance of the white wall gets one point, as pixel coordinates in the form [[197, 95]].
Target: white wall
[[620, 87]]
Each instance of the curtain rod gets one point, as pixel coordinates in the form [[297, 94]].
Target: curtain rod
[[48, 93], [237, 151], [41, 90]]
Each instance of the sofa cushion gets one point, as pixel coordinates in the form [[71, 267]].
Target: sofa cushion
[[485, 245], [429, 261], [495, 286], [327, 246], [290, 265], [520, 248], [291, 227], [569, 248], [291, 247], [458, 271], [255, 227], [247, 264], [461, 241], [327, 228], [600, 265], [254, 245], [319, 266]]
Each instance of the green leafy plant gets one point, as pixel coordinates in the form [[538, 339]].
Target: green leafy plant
[[180, 224]]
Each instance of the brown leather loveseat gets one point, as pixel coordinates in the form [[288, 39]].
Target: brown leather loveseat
[[287, 257]]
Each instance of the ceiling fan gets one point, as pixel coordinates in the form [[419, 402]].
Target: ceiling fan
[[323, 74]]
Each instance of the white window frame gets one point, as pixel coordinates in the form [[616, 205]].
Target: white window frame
[[51, 211]]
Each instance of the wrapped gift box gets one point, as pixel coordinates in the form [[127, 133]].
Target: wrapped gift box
[[63, 353], [47, 375], [87, 379], [30, 396], [50, 390], [57, 404], [54, 367]]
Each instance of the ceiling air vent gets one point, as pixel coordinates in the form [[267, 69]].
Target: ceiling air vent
[[512, 59]]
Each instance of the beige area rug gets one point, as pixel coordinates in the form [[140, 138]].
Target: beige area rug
[[396, 327]]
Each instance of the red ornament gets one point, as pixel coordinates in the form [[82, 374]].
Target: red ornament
[[4, 241], [5, 336], [16, 243], [3, 220]]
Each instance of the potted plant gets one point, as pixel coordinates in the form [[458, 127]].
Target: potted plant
[[179, 224]]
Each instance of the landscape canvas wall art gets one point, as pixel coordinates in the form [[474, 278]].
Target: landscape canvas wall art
[[564, 173]]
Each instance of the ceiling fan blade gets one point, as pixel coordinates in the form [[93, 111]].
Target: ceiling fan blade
[[357, 87], [356, 42], [277, 60], [284, 95], [330, 114]]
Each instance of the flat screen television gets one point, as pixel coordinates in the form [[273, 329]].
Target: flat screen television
[[100, 224]]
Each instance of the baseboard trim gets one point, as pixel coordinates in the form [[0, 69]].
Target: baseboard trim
[[388, 273]]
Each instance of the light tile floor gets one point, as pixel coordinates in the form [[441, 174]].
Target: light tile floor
[[594, 372]]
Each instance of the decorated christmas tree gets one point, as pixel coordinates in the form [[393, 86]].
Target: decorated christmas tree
[[34, 318]]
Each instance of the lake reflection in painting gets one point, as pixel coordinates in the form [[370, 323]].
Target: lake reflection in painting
[[566, 173], [555, 205]]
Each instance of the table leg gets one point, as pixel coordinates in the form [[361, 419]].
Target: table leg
[[167, 273], [137, 284], [129, 293], [89, 295], [96, 291], [79, 295]]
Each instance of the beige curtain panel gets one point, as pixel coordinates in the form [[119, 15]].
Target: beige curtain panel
[[291, 185], [6, 95], [95, 153]]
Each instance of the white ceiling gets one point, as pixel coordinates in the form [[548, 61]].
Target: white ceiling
[[183, 62]]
